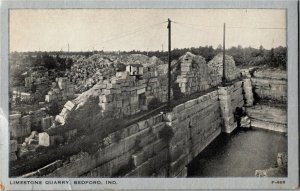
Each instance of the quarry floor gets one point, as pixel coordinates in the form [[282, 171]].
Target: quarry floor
[[239, 154]]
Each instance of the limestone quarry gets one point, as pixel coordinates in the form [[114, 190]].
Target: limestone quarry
[[114, 121]]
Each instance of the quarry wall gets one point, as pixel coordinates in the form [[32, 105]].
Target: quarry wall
[[270, 84], [160, 146], [164, 144], [231, 98], [273, 118]]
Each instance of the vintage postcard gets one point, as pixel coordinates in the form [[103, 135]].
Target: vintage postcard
[[99, 95]]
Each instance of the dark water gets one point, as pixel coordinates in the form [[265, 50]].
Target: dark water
[[238, 154]]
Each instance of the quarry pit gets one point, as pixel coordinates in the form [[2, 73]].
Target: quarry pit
[[202, 131]]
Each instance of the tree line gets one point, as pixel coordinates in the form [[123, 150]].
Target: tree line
[[248, 56], [243, 56]]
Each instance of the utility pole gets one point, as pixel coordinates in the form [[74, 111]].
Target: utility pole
[[68, 48], [162, 47], [224, 66], [169, 65]]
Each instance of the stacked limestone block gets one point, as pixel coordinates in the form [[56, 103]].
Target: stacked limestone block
[[36, 118], [63, 115], [140, 150], [13, 147], [156, 82], [135, 151], [248, 94], [121, 96], [270, 84], [20, 126], [230, 98], [62, 89], [124, 95], [194, 75], [47, 122], [87, 72], [231, 71], [195, 124]]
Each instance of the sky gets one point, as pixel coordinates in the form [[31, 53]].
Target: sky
[[143, 29]]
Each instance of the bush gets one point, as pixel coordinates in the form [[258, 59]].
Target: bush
[[54, 108], [154, 103]]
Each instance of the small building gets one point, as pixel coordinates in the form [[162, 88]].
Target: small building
[[135, 69]]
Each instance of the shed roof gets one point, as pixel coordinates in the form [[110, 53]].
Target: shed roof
[[136, 65]]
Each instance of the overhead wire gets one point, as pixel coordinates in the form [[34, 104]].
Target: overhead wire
[[237, 27], [193, 26], [139, 29]]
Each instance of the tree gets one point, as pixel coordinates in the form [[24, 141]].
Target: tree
[[261, 50], [218, 49]]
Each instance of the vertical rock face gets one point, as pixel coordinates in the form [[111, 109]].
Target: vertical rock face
[[268, 117], [231, 97], [248, 94], [195, 75], [270, 84], [195, 124]]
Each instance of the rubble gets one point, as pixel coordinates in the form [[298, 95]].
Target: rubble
[[195, 75], [44, 139], [13, 147], [245, 122], [31, 138], [121, 95], [47, 122], [62, 89], [20, 126], [86, 73], [279, 171], [216, 64]]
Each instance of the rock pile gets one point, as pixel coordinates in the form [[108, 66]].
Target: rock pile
[[61, 89], [195, 75], [13, 147], [231, 71], [123, 94], [87, 72], [280, 170], [20, 126]]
